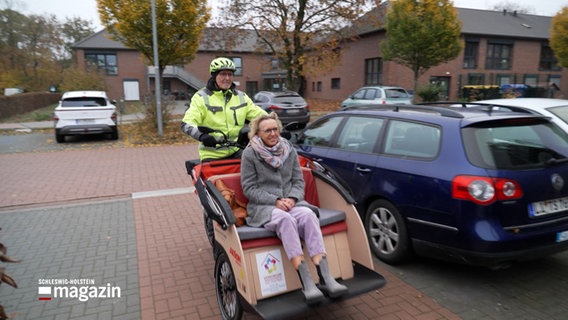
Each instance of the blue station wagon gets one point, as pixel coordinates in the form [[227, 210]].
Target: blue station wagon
[[481, 187]]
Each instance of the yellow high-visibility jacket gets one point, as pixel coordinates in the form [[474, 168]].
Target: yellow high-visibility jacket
[[227, 111]]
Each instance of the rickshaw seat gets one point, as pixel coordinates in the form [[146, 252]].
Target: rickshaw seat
[[327, 217], [331, 221], [233, 181]]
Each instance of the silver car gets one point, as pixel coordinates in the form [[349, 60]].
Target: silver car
[[289, 105], [377, 95]]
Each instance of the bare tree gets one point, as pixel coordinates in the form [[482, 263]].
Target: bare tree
[[513, 7], [302, 35]]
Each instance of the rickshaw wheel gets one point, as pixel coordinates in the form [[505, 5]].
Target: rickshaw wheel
[[387, 233], [226, 289], [208, 222]]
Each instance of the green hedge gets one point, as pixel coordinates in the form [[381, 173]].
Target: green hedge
[[25, 102]]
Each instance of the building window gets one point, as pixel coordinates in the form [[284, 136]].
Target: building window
[[274, 64], [104, 62], [531, 80], [252, 88], [470, 53], [336, 83], [373, 70], [553, 85], [547, 59], [503, 79], [475, 78], [318, 85], [554, 79], [238, 64], [499, 55]]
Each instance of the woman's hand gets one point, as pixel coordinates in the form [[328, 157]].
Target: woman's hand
[[285, 203]]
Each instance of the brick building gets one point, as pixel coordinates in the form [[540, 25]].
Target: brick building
[[499, 48]]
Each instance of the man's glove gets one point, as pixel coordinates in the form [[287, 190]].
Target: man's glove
[[208, 140]]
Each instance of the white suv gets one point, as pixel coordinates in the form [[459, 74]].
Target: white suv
[[85, 112]]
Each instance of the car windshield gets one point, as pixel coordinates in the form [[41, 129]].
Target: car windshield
[[515, 144], [84, 102], [561, 112], [290, 98]]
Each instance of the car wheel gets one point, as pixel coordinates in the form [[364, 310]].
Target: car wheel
[[114, 134], [386, 232], [59, 138], [226, 289]]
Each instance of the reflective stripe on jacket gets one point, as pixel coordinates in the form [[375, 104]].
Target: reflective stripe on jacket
[[227, 111]]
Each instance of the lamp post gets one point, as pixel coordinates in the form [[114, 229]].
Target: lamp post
[[157, 71]]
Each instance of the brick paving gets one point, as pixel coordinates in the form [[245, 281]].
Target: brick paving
[[75, 214]]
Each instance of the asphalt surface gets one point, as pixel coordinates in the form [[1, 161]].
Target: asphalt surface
[[127, 218]]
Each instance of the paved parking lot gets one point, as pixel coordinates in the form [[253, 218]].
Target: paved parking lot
[[126, 218]]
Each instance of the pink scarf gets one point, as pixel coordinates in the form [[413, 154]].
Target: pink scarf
[[275, 155]]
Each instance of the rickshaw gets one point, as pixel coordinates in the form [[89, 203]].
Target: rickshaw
[[252, 272]]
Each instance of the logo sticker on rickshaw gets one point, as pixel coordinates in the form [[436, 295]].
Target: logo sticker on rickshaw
[[236, 256], [270, 272]]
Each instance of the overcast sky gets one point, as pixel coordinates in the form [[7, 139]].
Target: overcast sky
[[87, 9]]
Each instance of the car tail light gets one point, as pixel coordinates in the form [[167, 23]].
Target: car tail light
[[113, 117], [55, 118], [485, 190], [273, 107]]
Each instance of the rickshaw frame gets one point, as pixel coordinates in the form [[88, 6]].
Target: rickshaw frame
[[241, 284]]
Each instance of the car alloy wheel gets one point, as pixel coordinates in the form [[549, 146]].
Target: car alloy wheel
[[387, 233]]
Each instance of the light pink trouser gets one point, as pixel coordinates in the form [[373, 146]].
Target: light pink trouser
[[298, 223]]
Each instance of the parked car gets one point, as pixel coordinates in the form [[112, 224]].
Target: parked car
[[469, 185], [378, 95], [85, 112], [556, 109], [289, 106]]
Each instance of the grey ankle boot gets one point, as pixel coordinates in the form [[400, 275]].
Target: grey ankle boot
[[311, 292], [327, 283]]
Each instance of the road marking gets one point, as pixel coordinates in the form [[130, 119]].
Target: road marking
[[160, 193]]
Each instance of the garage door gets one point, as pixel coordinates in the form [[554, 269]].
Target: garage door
[[131, 90]]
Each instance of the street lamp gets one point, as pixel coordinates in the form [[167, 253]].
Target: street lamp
[[157, 70]]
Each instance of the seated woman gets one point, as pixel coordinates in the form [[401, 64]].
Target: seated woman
[[272, 181]]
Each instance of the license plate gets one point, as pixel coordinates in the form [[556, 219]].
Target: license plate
[[293, 111], [562, 236], [541, 208], [85, 121]]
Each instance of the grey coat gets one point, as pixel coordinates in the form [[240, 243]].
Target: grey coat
[[262, 185]]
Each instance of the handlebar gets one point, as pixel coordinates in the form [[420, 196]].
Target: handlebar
[[241, 142]]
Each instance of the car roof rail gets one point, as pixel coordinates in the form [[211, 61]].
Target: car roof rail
[[483, 106], [416, 107]]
